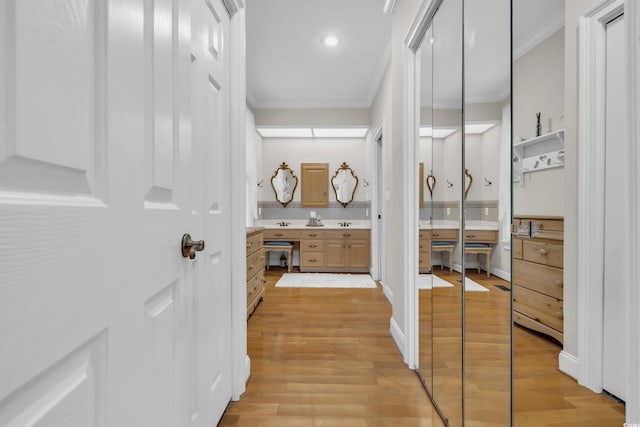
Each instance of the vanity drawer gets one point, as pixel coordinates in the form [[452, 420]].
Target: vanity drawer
[[277, 234], [537, 306], [255, 262], [424, 246], [424, 261], [425, 235], [254, 285], [543, 253], [516, 246], [311, 245], [448, 235], [311, 260], [346, 234], [312, 234], [541, 278], [254, 243], [484, 236]]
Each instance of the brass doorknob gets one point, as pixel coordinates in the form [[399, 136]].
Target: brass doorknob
[[190, 247]]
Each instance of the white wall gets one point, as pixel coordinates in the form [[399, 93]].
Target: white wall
[[538, 86], [294, 151]]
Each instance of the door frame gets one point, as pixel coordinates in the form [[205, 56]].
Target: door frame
[[591, 173], [377, 226], [240, 362], [632, 17]]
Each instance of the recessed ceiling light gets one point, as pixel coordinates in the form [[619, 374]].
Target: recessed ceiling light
[[331, 40]]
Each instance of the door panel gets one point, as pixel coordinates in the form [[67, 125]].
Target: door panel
[[102, 321]]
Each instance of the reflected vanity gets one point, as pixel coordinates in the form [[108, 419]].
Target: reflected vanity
[[344, 184], [284, 183]]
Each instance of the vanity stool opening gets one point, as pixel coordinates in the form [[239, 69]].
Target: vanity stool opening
[[444, 247], [286, 247], [479, 249]]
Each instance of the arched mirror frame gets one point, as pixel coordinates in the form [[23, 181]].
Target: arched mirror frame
[[344, 167], [284, 167]]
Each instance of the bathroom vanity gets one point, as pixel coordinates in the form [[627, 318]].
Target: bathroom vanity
[[337, 246]]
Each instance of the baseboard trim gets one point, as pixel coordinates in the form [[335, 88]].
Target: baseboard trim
[[504, 275], [568, 364], [398, 336], [388, 293]]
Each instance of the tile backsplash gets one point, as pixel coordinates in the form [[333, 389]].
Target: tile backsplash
[[355, 210], [475, 210]]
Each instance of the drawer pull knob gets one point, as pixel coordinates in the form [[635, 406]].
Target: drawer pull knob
[[542, 251], [471, 236], [346, 235], [278, 234], [312, 235], [435, 235], [313, 246]]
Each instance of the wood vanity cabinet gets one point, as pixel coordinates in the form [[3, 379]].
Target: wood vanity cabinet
[[255, 268], [314, 191], [538, 275], [347, 250], [311, 250], [424, 243]]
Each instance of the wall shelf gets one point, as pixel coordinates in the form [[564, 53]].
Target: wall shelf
[[537, 154]]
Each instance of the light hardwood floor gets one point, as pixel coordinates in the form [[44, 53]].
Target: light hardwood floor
[[324, 357]]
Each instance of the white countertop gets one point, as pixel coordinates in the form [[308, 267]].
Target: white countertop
[[470, 225], [328, 224]]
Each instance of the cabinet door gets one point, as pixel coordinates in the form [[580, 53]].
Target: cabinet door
[[315, 185], [335, 254], [358, 254]]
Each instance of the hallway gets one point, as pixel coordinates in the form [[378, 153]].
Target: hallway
[[322, 357]]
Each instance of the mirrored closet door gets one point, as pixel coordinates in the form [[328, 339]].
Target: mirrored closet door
[[464, 296]]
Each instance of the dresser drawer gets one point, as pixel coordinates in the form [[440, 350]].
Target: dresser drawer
[[346, 234], [424, 261], [254, 286], [540, 278], [483, 236], [255, 263], [424, 246], [277, 234], [446, 234], [539, 307], [254, 243], [311, 245], [516, 248], [312, 234], [543, 253], [424, 235], [311, 260]]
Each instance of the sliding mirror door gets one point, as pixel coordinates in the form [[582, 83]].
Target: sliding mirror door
[[426, 187], [447, 141], [487, 161]]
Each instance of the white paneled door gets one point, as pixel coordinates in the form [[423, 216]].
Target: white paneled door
[[114, 142]]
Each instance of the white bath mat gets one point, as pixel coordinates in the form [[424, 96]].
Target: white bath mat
[[424, 282], [325, 280]]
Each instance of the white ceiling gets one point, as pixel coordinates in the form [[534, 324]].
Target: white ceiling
[[289, 67]]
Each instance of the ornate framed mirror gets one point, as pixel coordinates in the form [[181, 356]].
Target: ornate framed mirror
[[284, 183], [344, 184]]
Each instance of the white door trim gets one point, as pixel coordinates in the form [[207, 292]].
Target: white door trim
[[591, 172], [240, 362], [411, 126], [632, 18], [377, 205]]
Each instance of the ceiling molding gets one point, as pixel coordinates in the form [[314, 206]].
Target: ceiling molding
[[354, 103], [536, 37]]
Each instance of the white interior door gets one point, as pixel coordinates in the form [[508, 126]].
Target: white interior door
[[102, 321], [211, 104], [616, 211]]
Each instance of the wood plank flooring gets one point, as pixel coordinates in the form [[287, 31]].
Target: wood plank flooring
[[324, 357]]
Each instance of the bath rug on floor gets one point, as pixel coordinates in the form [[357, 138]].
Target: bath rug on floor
[[325, 280], [424, 282]]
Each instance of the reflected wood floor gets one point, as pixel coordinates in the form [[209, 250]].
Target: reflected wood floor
[[324, 357]]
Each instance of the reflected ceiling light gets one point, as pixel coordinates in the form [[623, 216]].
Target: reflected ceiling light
[[432, 40], [331, 40], [340, 132], [388, 6], [439, 133], [478, 128], [269, 132]]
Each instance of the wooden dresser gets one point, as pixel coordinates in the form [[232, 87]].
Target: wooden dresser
[[255, 268], [538, 274]]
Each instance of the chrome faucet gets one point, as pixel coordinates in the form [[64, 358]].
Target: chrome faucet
[[283, 224]]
